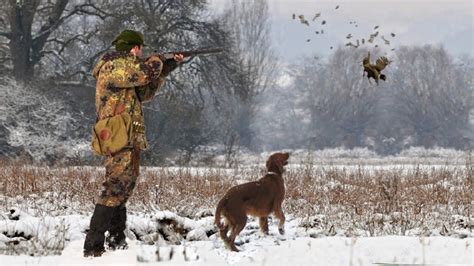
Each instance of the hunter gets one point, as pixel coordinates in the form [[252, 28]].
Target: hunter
[[124, 82]]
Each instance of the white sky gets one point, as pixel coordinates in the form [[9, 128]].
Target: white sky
[[450, 23]]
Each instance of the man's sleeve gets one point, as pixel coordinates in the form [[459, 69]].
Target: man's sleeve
[[147, 92], [127, 73]]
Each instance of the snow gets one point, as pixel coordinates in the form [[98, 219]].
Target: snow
[[49, 235], [296, 251], [196, 248]]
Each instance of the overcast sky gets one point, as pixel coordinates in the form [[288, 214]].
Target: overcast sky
[[446, 22]]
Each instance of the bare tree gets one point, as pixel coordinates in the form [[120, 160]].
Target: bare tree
[[432, 97], [29, 25], [248, 22], [341, 103]]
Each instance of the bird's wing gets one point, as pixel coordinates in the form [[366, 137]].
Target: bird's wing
[[366, 60], [381, 63]]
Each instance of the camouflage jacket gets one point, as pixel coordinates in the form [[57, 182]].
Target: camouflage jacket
[[124, 81]]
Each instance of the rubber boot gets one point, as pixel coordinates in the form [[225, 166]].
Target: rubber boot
[[100, 222], [116, 238]]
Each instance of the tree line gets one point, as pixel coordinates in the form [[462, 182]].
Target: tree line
[[426, 101]]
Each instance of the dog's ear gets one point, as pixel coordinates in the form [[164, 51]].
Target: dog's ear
[[271, 163]]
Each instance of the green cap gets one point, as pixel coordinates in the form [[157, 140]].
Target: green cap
[[127, 39]]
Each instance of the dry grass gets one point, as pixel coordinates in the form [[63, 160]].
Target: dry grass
[[366, 200]]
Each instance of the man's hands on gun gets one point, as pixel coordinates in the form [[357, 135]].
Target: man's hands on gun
[[171, 64], [178, 57], [172, 60]]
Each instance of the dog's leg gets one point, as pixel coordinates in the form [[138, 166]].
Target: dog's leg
[[239, 226], [279, 214], [263, 221], [223, 232]]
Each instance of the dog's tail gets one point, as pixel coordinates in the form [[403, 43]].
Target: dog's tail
[[219, 209]]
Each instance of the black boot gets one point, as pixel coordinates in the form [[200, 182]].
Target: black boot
[[116, 238], [100, 222]]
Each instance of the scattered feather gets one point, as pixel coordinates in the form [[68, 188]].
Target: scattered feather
[[317, 15], [351, 44]]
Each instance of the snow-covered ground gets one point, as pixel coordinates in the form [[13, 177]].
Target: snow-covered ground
[[200, 246], [49, 227], [392, 250]]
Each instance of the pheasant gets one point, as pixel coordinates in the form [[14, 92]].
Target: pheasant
[[374, 71]]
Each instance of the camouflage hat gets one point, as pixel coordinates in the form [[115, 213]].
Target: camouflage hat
[[127, 39]]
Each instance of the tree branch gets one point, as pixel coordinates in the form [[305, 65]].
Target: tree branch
[[84, 38], [56, 20], [6, 34], [55, 53]]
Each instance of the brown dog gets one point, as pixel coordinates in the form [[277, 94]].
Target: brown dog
[[259, 198]]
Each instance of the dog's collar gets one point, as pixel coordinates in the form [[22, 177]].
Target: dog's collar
[[271, 173]]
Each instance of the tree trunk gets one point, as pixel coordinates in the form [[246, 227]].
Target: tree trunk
[[26, 50], [21, 41]]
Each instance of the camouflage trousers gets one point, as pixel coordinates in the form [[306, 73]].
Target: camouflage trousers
[[121, 173]]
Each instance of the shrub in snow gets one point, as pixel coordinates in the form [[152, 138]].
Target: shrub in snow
[[437, 152], [41, 126], [24, 234], [197, 234]]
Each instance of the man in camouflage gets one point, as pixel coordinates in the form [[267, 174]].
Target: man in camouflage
[[124, 82]]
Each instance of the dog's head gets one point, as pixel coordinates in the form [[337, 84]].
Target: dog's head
[[276, 162]]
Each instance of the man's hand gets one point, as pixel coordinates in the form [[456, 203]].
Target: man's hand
[[178, 57]]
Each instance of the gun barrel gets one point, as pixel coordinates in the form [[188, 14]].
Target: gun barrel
[[170, 55]]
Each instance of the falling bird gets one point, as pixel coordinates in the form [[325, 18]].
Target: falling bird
[[393, 34], [374, 71], [337, 6], [303, 20], [376, 27], [387, 42], [323, 22]]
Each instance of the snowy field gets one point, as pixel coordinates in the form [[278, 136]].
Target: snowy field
[[297, 247], [391, 213]]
